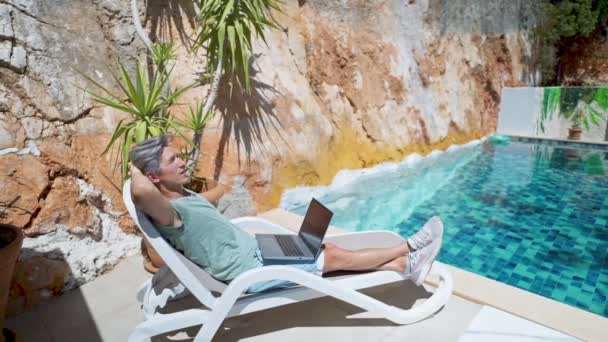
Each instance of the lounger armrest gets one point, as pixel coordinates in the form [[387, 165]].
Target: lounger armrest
[[355, 240], [257, 225]]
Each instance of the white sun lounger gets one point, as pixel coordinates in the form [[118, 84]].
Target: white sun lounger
[[221, 300]]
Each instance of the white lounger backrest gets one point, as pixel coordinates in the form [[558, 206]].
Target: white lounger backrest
[[188, 273]]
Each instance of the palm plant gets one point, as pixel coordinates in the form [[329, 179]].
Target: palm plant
[[143, 99], [226, 29], [577, 106], [583, 106]]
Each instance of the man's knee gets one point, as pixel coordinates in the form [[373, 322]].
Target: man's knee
[[335, 257]]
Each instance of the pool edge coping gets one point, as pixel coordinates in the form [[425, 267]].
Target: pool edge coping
[[533, 307], [481, 290], [603, 144]]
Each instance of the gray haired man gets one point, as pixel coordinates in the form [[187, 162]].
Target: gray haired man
[[196, 228]]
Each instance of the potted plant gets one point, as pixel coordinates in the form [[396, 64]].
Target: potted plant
[[11, 239], [149, 100], [577, 105], [584, 107], [574, 132], [583, 117]]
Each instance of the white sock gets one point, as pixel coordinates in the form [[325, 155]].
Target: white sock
[[409, 245], [408, 266]]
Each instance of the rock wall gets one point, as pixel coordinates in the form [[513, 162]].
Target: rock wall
[[340, 85], [54, 184], [351, 84]]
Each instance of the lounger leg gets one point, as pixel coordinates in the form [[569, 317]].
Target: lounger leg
[[143, 291], [160, 324], [155, 301], [218, 314], [211, 326]]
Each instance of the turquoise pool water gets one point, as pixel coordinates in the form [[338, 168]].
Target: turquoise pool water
[[530, 215]]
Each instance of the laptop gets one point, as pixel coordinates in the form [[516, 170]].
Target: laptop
[[281, 249]]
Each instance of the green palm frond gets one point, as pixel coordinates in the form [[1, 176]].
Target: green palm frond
[[551, 103], [601, 98], [227, 27]]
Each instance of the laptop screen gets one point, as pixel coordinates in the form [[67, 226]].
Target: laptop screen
[[315, 225]]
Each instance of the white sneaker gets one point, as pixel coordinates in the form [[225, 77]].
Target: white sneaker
[[420, 261], [431, 230]]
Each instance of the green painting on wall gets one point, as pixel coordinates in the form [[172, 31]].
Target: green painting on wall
[[583, 106]]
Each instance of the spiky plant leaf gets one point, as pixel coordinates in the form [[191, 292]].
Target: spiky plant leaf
[[162, 53], [142, 97]]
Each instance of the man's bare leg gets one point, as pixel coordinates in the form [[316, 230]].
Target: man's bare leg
[[339, 259], [397, 265]]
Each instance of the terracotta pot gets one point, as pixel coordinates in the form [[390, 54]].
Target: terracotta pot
[[152, 261], [574, 133], [11, 239], [201, 184]]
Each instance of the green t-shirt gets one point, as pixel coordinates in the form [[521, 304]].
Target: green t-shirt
[[211, 241]]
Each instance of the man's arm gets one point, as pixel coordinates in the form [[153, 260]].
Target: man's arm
[[149, 199], [214, 194]]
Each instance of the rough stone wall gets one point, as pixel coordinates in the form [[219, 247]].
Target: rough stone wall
[[351, 84], [54, 184], [340, 85]]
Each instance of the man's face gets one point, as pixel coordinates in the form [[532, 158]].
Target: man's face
[[172, 169]]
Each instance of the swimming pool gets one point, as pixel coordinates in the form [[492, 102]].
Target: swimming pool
[[528, 214]]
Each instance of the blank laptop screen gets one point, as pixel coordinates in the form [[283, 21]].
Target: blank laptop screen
[[315, 225]]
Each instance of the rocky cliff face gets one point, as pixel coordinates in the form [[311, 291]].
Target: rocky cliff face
[[340, 85], [350, 84], [55, 185]]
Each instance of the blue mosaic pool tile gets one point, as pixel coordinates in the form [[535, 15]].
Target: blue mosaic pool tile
[[530, 214], [547, 235]]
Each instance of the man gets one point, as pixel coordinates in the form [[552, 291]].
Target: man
[[196, 228]]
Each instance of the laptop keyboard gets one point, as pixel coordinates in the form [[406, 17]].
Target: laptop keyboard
[[288, 245]]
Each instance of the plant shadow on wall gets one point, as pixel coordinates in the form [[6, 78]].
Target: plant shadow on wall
[[37, 288], [248, 115], [163, 17]]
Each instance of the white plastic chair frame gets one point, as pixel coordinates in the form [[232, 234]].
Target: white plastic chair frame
[[233, 301]]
